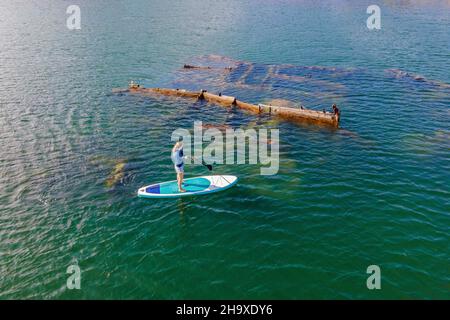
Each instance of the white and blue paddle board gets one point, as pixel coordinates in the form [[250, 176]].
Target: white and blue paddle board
[[193, 186]]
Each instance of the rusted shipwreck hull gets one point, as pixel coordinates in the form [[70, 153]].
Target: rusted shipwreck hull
[[291, 114]]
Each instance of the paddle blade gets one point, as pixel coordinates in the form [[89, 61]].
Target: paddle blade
[[207, 165]]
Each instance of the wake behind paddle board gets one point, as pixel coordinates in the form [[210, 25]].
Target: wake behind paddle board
[[193, 186]]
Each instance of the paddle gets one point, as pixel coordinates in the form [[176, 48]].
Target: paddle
[[206, 165]]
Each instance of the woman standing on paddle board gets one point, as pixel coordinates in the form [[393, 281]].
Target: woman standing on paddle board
[[178, 161]]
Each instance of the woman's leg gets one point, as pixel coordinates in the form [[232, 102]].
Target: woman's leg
[[180, 177], [180, 185]]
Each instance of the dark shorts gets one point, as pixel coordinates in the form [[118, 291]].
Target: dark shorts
[[179, 169]]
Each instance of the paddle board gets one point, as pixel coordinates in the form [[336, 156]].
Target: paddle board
[[193, 186]]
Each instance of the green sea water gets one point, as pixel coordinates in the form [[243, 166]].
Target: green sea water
[[73, 154]]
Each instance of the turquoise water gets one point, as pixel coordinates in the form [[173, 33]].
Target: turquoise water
[[73, 154]]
